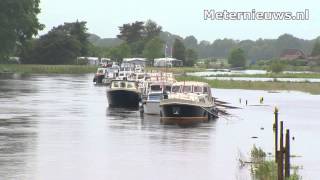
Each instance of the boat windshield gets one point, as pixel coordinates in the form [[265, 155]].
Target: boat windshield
[[205, 90], [140, 76], [197, 89], [155, 88], [187, 89], [115, 84], [100, 71], [175, 89], [154, 97], [167, 88], [130, 84], [122, 84]]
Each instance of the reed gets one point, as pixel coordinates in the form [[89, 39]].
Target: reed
[[46, 69], [313, 88]]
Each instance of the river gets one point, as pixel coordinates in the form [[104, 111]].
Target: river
[[60, 127]]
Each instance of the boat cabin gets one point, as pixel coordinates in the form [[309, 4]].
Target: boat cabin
[[191, 87], [124, 84]]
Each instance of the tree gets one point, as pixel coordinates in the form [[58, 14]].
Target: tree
[[153, 49], [61, 45], [79, 31], [18, 23], [56, 47], [276, 66], [151, 29], [316, 48], [131, 32], [191, 42], [178, 50], [237, 58], [191, 57], [120, 52]]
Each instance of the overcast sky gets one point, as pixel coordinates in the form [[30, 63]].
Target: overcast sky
[[182, 17]]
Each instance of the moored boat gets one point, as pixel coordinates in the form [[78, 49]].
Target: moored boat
[[188, 103], [123, 93]]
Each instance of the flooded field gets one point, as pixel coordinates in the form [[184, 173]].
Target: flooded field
[[225, 75], [60, 127]]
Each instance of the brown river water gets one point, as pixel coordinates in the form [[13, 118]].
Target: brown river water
[[60, 127]]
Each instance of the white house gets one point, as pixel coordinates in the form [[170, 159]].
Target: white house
[[135, 61], [167, 62], [89, 60]]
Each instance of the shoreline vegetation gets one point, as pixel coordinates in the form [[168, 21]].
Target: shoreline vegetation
[[46, 69], [312, 88]]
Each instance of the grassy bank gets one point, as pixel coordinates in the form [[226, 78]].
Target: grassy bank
[[176, 70], [46, 69], [313, 88], [273, 75]]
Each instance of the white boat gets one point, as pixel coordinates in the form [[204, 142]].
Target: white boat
[[188, 103], [151, 105], [155, 93]]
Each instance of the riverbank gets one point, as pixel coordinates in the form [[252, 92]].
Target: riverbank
[[313, 88], [270, 75], [46, 69], [176, 70]]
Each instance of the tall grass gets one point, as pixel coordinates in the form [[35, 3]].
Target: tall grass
[[313, 88], [263, 169], [47, 69], [176, 70]]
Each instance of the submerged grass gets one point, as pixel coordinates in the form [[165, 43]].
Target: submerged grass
[[273, 75], [176, 70], [263, 169], [313, 88], [46, 69]]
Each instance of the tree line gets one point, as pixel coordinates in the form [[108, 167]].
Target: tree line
[[62, 44]]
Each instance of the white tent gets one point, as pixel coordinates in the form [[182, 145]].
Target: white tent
[[167, 62]]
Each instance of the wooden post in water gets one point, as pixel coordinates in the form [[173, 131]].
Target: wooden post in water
[[275, 126], [287, 155], [280, 155]]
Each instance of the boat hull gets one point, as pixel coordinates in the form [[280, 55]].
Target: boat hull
[[183, 114], [151, 107], [123, 98]]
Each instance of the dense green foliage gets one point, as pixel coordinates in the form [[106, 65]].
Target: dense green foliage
[[276, 66], [153, 49], [316, 48], [260, 49], [138, 34], [191, 57], [178, 50], [237, 58], [61, 45], [119, 52], [18, 23]]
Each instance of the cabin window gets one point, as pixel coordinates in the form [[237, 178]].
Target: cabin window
[[187, 89], [130, 85], [175, 89], [155, 88], [197, 89], [205, 90], [122, 84], [115, 84], [100, 71], [167, 88]]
